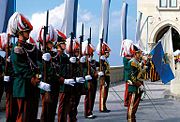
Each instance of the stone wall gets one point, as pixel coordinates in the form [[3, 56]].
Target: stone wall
[[116, 73]]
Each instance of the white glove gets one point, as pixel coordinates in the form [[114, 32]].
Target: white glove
[[145, 67], [80, 80], [129, 82], [8, 59], [103, 58], [83, 59], [44, 86], [88, 77], [90, 59], [142, 88], [100, 74], [69, 82], [6, 78], [72, 59], [46, 56]]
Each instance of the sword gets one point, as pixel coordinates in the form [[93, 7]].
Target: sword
[[154, 106], [117, 94]]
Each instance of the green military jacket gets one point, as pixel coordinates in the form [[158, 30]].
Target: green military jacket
[[52, 72], [134, 71], [126, 68], [22, 86], [63, 69]]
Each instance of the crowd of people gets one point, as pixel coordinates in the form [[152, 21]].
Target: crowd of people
[[56, 69]]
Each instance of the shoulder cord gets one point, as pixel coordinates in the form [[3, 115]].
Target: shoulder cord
[[31, 49], [32, 64]]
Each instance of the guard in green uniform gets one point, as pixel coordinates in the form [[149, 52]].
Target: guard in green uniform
[[135, 87], [92, 83], [79, 71], [49, 95], [126, 78], [23, 59], [104, 86], [64, 79]]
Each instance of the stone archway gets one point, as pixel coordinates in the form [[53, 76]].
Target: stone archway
[[158, 31], [175, 37]]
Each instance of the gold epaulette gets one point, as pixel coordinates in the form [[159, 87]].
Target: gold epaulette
[[18, 50], [133, 64]]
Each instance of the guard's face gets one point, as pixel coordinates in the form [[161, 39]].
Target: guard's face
[[50, 45], [25, 34], [107, 54], [63, 46], [138, 55]]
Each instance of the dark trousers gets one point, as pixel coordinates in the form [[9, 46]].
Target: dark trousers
[[67, 110], [134, 100], [63, 107], [74, 102], [104, 88], [1, 88], [49, 105], [11, 104], [27, 109], [90, 98], [126, 95]]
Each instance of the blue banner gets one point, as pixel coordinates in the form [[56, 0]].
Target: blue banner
[[163, 69], [7, 8]]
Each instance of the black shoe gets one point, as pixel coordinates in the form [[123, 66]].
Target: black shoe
[[106, 111]]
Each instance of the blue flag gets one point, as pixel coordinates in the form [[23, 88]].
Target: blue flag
[[7, 8], [162, 68]]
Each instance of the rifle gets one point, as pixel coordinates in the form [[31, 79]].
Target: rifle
[[80, 51], [89, 42], [47, 94], [101, 79], [7, 55], [100, 52], [44, 48], [71, 54]]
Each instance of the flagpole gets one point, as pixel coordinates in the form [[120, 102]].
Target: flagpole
[[147, 33]]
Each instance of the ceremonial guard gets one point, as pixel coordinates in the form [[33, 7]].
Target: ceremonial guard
[[23, 58], [104, 75], [126, 77], [6, 65], [79, 71], [50, 77], [91, 79], [126, 53], [135, 87], [64, 79], [67, 109]]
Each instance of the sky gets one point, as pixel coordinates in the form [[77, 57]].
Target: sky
[[89, 13]]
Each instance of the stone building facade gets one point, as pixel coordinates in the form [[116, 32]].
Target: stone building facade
[[157, 17]]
